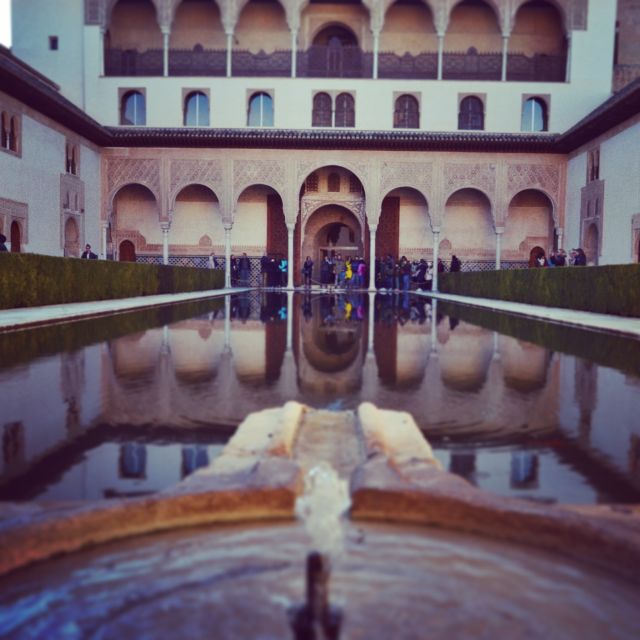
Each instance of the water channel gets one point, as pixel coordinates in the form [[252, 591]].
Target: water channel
[[130, 404]]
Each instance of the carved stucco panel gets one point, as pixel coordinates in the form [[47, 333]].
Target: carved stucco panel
[[124, 171], [467, 176], [205, 172], [361, 170], [251, 172], [417, 175], [545, 177], [310, 205]]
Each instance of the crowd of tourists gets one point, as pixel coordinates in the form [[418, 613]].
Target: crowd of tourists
[[558, 258]]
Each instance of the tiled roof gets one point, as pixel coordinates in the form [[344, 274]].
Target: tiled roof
[[331, 139]]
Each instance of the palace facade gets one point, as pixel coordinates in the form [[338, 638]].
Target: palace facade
[[164, 130]]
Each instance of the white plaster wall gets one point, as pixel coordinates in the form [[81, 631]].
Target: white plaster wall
[[620, 169], [576, 179], [78, 62], [374, 100], [250, 220], [33, 21]]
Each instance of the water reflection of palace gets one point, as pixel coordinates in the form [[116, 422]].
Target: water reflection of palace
[[461, 382]]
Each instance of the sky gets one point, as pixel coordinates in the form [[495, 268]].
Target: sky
[[5, 22]]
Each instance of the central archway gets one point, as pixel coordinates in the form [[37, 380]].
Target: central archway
[[331, 230]]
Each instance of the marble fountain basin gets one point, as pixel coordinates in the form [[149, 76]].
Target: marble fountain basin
[[426, 555]]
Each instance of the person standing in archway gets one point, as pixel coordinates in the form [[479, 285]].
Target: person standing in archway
[[3, 239], [307, 271], [456, 265]]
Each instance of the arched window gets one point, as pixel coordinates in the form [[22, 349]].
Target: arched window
[[260, 110], [321, 116], [407, 113], [196, 110], [345, 110], [133, 109], [4, 123], [534, 115], [333, 182], [13, 134], [471, 115]]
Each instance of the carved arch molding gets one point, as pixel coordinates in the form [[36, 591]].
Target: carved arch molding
[[500, 180], [574, 12]]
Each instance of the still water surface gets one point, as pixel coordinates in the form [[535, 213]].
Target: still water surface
[[130, 404]]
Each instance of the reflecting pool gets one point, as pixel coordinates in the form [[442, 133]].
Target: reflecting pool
[[130, 404]]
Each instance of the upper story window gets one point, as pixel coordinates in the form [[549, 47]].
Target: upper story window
[[324, 115], [260, 110], [407, 113], [333, 182], [471, 114], [345, 114], [593, 165], [321, 116], [534, 115], [196, 110], [72, 157], [9, 132], [53, 43], [133, 110]]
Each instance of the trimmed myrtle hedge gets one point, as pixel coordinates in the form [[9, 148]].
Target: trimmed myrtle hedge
[[613, 289], [29, 280], [609, 350]]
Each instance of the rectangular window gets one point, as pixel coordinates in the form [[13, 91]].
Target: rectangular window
[[53, 43]]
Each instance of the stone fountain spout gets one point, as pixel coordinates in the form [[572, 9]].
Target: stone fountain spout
[[317, 619]]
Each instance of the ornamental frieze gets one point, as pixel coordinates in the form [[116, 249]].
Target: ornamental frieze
[[251, 172], [205, 172], [417, 175], [467, 176], [530, 176], [124, 171], [309, 206]]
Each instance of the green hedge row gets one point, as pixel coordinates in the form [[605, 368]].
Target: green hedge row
[[29, 280], [609, 350], [613, 289]]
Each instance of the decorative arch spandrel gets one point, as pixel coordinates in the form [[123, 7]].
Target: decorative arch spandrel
[[124, 171], [209, 173], [545, 178], [479, 176], [246, 173]]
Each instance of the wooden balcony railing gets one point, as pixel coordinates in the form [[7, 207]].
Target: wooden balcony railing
[[536, 68], [423, 66], [197, 62], [336, 62], [472, 66]]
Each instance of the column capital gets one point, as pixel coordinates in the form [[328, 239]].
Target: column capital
[[499, 230], [165, 226], [291, 227], [373, 228]]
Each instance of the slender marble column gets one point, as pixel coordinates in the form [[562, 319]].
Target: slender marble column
[[103, 248], [371, 316], [499, 232], [376, 48], [165, 51], [227, 324], [290, 230], [567, 77], [101, 65], [294, 53], [289, 319], [440, 54], [227, 257], [229, 52], [560, 232], [505, 56], [165, 243], [436, 247], [372, 257]]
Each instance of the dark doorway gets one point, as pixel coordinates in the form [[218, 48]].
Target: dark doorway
[[127, 251], [15, 237]]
